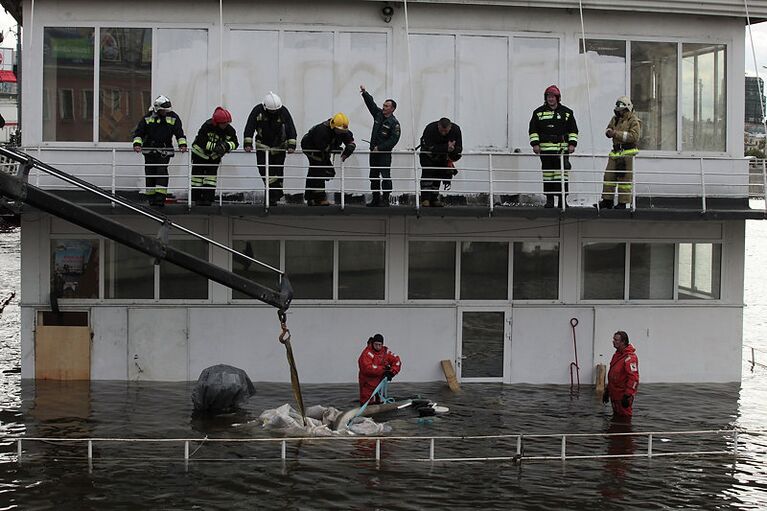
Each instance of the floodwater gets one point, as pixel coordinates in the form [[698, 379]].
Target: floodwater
[[343, 474]]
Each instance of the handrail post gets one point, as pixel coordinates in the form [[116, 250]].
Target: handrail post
[[90, 450], [734, 443], [343, 184], [266, 179], [283, 450], [562, 180], [649, 445], [633, 184], [564, 447], [186, 450], [764, 179], [431, 449], [490, 179], [702, 185], [190, 168], [18, 451], [416, 186], [378, 449], [114, 172], [519, 445]]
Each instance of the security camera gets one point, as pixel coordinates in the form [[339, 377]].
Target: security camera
[[386, 13]]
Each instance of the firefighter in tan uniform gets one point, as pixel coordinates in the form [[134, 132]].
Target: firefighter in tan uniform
[[625, 129]]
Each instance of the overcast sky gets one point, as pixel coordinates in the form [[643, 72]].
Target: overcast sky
[[759, 32]]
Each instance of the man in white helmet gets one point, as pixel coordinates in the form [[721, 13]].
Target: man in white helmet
[[624, 129], [275, 132], [154, 138]]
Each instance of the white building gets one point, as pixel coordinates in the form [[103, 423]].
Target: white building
[[492, 287]]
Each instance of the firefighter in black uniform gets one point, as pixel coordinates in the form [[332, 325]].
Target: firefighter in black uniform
[[317, 145], [553, 131], [441, 145], [275, 132], [154, 137], [215, 138], [383, 138]]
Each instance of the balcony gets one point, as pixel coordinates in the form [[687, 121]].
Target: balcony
[[487, 184]]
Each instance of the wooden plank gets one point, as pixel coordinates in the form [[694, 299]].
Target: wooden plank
[[452, 381], [62, 353], [601, 373]]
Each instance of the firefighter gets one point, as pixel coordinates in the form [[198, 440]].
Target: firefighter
[[215, 138], [623, 376], [553, 131], [317, 144], [154, 138], [624, 129], [275, 132], [376, 362], [441, 145], [383, 138]]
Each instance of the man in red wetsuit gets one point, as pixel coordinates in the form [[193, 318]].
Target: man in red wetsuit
[[376, 362], [623, 376]]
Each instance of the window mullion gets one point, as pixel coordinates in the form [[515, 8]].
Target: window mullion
[[96, 82]]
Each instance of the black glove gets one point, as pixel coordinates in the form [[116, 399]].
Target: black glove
[[388, 374], [221, 148], [605, 397], [626, 401]]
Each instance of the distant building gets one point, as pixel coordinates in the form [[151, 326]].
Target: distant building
[[754, 100], [9, 92]]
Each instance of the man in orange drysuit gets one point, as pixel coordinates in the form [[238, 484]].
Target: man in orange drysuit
[[376, 362], [623, 376]]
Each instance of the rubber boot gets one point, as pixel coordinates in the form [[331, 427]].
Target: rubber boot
[[376, 200], [386, 199]]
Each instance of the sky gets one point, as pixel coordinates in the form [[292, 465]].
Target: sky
[[758, 32]]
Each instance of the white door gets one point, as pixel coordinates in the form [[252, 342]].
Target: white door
[[484, 336], [157, 345]]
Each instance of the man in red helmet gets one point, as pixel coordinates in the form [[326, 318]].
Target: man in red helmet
[[376, 362], [553, 131], [623, 376], [215, 138]]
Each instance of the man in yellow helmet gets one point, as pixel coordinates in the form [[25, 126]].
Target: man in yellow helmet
[[317, 145]]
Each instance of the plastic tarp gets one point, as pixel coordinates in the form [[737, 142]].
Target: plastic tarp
[[221, 389], [319, 420]]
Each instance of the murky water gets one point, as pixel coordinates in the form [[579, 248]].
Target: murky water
[[343, 474]]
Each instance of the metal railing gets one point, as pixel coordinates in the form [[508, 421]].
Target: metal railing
[[485, 179], [515, 448]]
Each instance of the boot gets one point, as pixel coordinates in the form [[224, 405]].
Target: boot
[[606, 204], [376, 200], [549, 201], [385, 200], [621, 205]]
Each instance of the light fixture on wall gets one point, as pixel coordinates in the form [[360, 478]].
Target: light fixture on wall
[[387, 12]]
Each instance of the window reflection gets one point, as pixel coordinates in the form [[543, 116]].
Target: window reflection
[[181, 284], [75, 268], [361, 269], [484, 270], [651, 276], [704, 106], [654, 93], [67, 70], [125, 60], [603, 271], [266, 251], [309, 264], [129, 274], [536, 270], [699, 271], [431, 270]]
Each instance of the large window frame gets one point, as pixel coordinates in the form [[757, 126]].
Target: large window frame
[[679, 42], [627, 271]]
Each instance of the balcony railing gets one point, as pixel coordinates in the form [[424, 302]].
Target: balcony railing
[[485, 179]]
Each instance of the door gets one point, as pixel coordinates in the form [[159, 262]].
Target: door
[[483, 341]]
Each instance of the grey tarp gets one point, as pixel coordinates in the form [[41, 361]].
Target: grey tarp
[[220, 389]]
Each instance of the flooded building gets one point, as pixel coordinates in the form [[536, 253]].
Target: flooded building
[[504, 288]]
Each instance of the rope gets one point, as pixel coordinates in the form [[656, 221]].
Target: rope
[[588, 83], [756, 66], [380, 391], [410, 78]]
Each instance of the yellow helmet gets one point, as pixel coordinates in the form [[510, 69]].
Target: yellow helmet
[[339, 122]]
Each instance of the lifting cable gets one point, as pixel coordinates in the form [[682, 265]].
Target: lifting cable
[[756, 66], [284, 338]]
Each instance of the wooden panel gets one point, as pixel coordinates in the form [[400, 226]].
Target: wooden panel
[[63, 353]]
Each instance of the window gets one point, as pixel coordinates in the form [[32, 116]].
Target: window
[[266, 251], [361, 270], [125, 70], [651, 276], [704, 107], [67, 66], [431, 270], [536, 270], [75, 268], [484, 270], [180, 284], [309, 265], [129, 273], [603, 271], [699, 271], [654, 93], [86, 106]]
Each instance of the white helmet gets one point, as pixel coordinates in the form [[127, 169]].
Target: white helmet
[[272, 101], [624, 103], [161, 104]]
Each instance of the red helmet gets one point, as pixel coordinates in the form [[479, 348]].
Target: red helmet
[[554, 91], [221, 115]]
